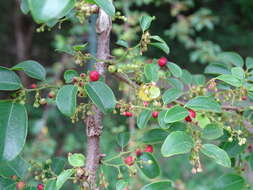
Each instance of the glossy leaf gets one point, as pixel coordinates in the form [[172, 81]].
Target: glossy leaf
[[161, 121], [13, 129], [178, 142], [233, 148], [66, 100], [58, 164], [174, 69], [24, 6], [161, 44], [154, 136], [171, 95], [32, 68], [175, 83], [217, 154], [229, 182], [101, 95], [249, 62], [69, 75], [230, 79], [143, 118], [121, 185], [174, 114], [50, 185], [123, 139], [186, 77], [18, 167], [217, 69], [107, 6], [76, 160], [7, 184], [151, 72], [198, 79], [238, 72], [212, 131], [231, 58], [145, 22], [159, 185], [63, 177], [148, 165], [203, 103], [48, 10], [9, 80]]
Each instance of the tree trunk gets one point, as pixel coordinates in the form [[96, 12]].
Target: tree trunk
[[94, 121]]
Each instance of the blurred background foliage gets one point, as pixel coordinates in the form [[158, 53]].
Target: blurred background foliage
[[196, 31]]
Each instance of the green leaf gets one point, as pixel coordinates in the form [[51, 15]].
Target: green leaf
[[171, 95], [30, 188], [148, 165], [76, 160], [7, 184], [230, 79], [145, 22], [176, 83], [58, 164], [50, 185], [123, 139], [161, 44], [121, 185], [101, 95], [217, 69], [161, 121], [202, 120], [231, 58], [233, 148], [229, 182], [32, 68], [154, 92], [186, 77], [63, 177], [217, 154], [107, 6], [9, 80], [18, 167], [66, 100], [249, 62], [69, 75], [174, 69], [143, 118], [238, 72], [212, 131], [154, 136], [80, 47], [203, 103], [122, 43], [48, 10], [176, 113], [159, 185], [151, 72], [24, 7], [13, 129], [178, 142], [198, 79]]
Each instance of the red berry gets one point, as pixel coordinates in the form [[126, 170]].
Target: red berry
[[40, 187], [162, 61], [128, 114], [81, 84], [51, 94], [145, 104], [82, 75], [129, 160], [155, 114], [33, 86], [149, 148], [192, 113], [138, 152], [20, 185], [74, 80], [94, 76], [188, 119], [244, 97]]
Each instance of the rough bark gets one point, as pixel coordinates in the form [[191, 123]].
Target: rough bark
[[94, 121]]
